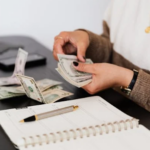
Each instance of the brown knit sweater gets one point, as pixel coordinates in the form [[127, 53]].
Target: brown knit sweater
[[101, 50]]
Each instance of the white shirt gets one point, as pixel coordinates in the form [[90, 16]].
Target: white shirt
[[127, 20]]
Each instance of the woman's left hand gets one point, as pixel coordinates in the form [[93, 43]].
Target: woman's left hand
[[104, 76]]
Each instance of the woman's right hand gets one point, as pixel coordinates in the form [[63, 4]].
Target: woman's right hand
[[70, 43]]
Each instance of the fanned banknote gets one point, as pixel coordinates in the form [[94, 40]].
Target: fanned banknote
[[30, 87], [19, 69], [67, 71], [14, 91], [33, 91]]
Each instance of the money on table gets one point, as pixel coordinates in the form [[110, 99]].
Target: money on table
[[19, 69], [45, 90], [48, 95], [15, 91]]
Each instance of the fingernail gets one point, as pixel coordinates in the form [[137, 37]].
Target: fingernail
[[75, 63], [84, 57]]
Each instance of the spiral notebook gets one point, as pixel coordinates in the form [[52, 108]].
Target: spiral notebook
[[95, 125]]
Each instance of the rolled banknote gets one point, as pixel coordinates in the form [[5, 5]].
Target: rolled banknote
[[19, 69]]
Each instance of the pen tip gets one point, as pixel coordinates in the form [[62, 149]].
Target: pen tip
[[21, 121]]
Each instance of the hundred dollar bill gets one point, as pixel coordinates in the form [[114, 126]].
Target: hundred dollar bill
[[65, 61], [19, 69], [33, 91]]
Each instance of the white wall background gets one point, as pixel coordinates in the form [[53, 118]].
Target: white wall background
[[44, 19]]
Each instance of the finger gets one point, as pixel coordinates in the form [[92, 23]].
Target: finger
[[89, 68], [81, 49], [58, 37], [58, 44], [55, 55], [68, 48], [56, 52], [63, 36]]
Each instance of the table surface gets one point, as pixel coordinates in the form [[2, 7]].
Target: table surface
[[48, 71]]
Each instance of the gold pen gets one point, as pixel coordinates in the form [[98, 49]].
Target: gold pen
[[50, 113]]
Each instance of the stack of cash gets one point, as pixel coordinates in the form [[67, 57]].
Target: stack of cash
[[67, 71], [10, 86]]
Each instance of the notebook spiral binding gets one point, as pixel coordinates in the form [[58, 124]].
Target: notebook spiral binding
[[91, 130]]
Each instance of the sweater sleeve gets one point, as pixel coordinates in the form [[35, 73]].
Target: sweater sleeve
[[141, 91], [101, 50], [100, 47]]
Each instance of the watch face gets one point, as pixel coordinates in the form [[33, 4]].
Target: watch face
[[127, 91]]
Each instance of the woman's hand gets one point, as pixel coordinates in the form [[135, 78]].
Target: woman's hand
[[104, 76], [70, 43]]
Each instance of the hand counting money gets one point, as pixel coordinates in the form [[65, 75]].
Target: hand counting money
[[66, 70]]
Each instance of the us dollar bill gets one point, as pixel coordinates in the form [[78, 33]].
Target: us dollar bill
[[65, 61], [14, 91], [70, 74], [4, 94], [33, 91], [19, 69], [55, 87], [77, 84], [30, 87], [45, 84], [51, 96]]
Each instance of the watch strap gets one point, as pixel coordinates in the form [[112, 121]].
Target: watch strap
[[135, 74], [127, 90]]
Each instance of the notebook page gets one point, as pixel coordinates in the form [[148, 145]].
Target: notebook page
[[132, 139], [92, 111], [3, 115]]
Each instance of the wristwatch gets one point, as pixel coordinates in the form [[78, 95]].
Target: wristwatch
[[127, 90]]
